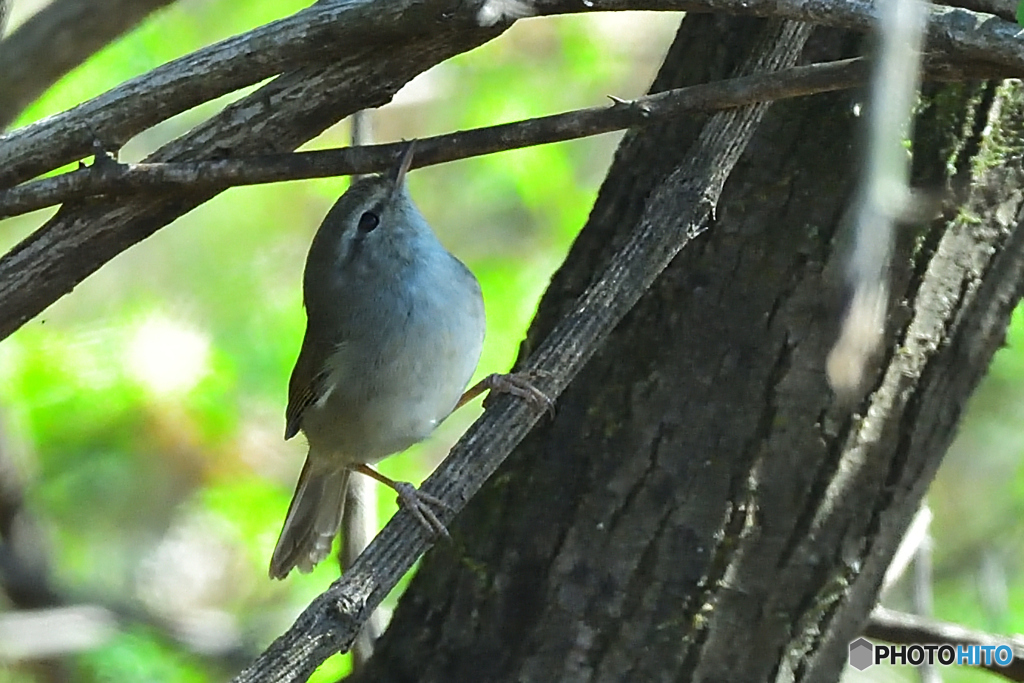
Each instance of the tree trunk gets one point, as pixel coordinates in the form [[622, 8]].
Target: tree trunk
[[701, 508]]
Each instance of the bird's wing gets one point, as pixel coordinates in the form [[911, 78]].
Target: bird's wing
[[308, 383]]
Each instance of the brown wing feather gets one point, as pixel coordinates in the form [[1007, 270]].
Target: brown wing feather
[[307, 383]]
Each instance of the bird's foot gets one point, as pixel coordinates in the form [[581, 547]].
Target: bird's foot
[[422, 506], [521, 385], [518, 384]]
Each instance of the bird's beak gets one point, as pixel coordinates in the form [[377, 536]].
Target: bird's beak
[[403, 167]]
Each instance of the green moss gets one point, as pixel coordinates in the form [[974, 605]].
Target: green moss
[[967, 217], [945, 124], [1002, 137]]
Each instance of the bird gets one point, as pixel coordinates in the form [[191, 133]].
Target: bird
[[395, 327]]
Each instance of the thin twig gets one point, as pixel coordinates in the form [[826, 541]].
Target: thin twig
[[111, 179], [219, 174]]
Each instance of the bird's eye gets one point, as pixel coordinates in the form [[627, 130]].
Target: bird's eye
[[368, 221]]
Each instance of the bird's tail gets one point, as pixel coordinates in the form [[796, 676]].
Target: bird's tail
[[313, 520]]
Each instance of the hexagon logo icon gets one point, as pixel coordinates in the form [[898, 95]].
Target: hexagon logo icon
[[862, 654]]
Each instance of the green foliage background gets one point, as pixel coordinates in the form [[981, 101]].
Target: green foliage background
[[145, 410]]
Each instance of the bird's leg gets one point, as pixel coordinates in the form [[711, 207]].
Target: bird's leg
[[517, 384], [411, 498]]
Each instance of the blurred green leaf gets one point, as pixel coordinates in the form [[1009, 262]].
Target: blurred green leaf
[[335, 668], [139, 655]]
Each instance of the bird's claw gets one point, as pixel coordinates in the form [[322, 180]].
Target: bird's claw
[[519, 384], [419, 504]]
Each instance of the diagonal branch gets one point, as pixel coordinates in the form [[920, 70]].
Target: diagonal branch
[[215, 175], [55, 40], [333, 619]]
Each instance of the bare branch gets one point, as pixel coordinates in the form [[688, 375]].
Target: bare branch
[[55, 40], [902, 628], [122, 179], [331, 29], [331, 622], [218, 174]]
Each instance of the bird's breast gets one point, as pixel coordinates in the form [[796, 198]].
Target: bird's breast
[[403, 366]]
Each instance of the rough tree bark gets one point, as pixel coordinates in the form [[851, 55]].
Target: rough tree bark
[[700, 509]]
